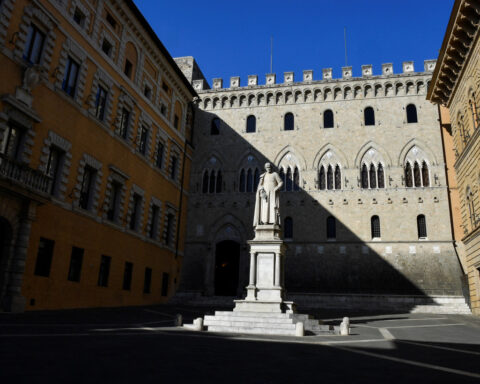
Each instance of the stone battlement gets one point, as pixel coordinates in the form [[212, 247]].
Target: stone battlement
[[289, 77]]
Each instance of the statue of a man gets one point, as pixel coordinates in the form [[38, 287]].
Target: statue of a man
[[267, 198]]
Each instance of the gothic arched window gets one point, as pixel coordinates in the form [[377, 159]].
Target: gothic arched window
[[425, 176], [373, 177], [288, 122], [328, 119], [369, 116], [241, 184], [218, 186], [249, 181], [338, 178], [321, 178], [211, 185], [421, 227], [288, 228], [215, 127], [288, 180], [375, 227], [205, 182], [251, 124], [282, 176], [364, 176], [380, 176], [416, 175], [256, 179], [411, 114], [331, 228], [408, 175], [330, 177], [296, 180]]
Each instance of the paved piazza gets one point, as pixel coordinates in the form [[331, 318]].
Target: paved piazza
[[141, 345]]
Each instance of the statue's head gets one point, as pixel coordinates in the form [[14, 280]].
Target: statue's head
[[268, 167]]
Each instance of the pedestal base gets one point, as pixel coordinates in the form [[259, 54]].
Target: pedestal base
[[264, 306]]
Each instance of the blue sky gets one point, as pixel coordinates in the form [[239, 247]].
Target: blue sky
[[232, 38]]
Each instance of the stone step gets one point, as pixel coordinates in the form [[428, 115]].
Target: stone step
[[254, 314], [252, 330], [263, 320], [442, 309], [247, 324]]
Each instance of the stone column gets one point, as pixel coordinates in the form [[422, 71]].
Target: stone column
[[277, 270], [14, 301], [253, 268]]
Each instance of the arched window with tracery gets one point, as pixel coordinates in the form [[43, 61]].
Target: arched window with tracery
[[375, 227], [281, 173], [288, 122], [328, 121], [372, 172], [211, 187], [289, 171], [329, 172], [205, 182], [380, 176], [296, 179], [373, 177], [218, 186], [416, 169], [251, 124], [411, 114], [288, 177], [364, 176], [212, 181], [288, 228], [369, 116]]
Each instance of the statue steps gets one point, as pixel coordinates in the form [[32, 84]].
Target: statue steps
[[265, 323]]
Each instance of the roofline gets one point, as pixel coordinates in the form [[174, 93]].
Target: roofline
[[136, 12]]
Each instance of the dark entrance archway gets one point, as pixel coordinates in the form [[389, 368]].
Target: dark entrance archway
[[5, 246], [227, 259]]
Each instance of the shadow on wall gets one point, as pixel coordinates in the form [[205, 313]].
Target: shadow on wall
[[218, 211]]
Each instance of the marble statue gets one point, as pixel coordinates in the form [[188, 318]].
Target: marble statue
[[267, 200]]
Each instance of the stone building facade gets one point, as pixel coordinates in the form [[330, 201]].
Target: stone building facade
[[365, 201], [456, 85], [95, 153]]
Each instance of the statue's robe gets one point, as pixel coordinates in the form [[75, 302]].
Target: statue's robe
[[267, 204]]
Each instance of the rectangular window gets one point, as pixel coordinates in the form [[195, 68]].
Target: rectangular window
[[114, 203], [89, 175], [111, 20], [124, 120], [173, 170], [79, 17], [76, 260], [175, 121], [147, 283], [107, 47], [128, 68], [135, 216], [159, 159], [142, 146], [147, 92], [165, 278], [165, 87], [13, 142], [127, 276], [154, 223], [70, 79], [100, 103], [169, 229], [34, 45], [44, 257], [163, 109], [104, 271], [54, 165]]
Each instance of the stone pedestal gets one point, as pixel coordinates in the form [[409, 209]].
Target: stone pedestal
[[267, 260]]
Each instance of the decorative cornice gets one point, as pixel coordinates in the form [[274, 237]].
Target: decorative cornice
[[460, 38]]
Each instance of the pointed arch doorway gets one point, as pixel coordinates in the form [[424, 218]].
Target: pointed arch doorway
[[227, 267]]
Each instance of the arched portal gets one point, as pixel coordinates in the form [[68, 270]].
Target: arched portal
[[227, 263]]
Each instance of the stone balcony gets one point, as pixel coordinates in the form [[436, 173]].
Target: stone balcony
[[21, 176]]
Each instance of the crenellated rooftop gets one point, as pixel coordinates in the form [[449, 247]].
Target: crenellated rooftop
[[289, 77]]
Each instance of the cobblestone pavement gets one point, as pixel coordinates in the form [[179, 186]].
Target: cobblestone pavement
[[142, 345]]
